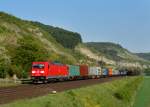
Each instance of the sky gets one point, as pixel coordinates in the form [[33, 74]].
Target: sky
[[126, 22]]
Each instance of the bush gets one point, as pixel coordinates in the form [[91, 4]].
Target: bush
[[4, 67], [29, 50], [147, 71], [3, 72]]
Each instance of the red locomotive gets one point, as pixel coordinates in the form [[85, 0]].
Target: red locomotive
[[45, 71]]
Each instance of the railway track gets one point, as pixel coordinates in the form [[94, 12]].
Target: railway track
[[10, 94]]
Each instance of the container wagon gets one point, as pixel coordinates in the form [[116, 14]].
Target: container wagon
[[47, 71], [116, 73], [95, 72], [74, 72], [123, 72], [83, 71], [110, 72], [104, 72]]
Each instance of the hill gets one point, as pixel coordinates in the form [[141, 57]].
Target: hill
[[112, 51], [111, 54], [66, 38], [22, 42], [145, 56]]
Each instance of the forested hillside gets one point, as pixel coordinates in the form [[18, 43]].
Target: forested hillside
[[145, 56], [113, 51], [66, 38]]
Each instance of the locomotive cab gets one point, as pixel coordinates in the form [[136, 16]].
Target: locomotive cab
[[38, 72]]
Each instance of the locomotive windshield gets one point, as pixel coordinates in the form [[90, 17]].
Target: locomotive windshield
[[39, 66]]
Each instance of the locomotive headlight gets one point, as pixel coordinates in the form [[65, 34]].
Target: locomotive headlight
[[42, 72], [33, 72]]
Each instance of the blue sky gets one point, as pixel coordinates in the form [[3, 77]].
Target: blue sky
[[126, 22]]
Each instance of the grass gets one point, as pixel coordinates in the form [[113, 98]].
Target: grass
[[8, 83], [143, 94], [119, 93]]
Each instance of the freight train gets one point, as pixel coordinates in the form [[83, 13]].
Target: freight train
[[50, 71]]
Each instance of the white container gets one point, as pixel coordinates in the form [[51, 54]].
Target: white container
[[116, 72], [95, 71]]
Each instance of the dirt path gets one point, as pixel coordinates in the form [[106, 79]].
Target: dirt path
[[29, 91], [143, 94]]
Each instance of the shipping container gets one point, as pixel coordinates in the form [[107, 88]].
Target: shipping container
[[105, 72], [116, 73], [110, 72], [83, 70], [74, 70], [123, 72], [96, 71]]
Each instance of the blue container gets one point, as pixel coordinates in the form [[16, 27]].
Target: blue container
[[105, 72]]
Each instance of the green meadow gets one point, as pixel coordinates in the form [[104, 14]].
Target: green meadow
[[119, 93], [143, 94]]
